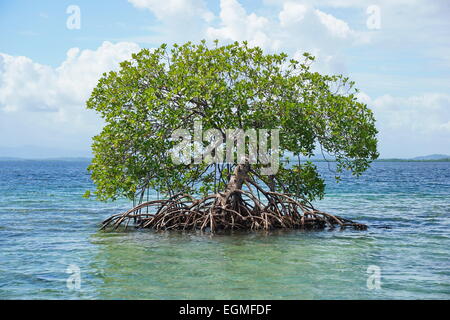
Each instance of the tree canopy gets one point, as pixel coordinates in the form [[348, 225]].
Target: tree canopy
[[232, 86]]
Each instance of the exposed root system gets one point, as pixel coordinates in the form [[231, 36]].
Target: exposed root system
[[252, 208], [238, 209]]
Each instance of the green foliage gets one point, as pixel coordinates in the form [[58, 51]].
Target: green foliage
[[232, 86], [87, 194], [302, 180]]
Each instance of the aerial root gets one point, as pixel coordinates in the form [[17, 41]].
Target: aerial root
[[238, 210]]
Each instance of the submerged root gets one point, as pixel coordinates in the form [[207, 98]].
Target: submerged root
[[235, 210]]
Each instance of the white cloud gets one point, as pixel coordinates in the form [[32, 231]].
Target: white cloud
[[179, 20], [297, 28], [419, 25], [412, 126], [292, 13], [336, 27], [300, 20], [22, 82], [425, 114], [49, 103], [175, 8], [237, 25], [29, 86], [294, 28]]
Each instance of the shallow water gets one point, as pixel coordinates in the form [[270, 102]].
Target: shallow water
[[46, 226]]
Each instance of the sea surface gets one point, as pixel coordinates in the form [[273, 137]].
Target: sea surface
[[50, 246]]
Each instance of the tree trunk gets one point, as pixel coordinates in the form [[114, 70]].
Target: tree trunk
[[236, 181]]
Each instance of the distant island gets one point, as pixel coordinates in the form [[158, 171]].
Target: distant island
[[433, 157], [428, 158]]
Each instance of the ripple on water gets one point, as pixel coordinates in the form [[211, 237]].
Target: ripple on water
[[45, 226]]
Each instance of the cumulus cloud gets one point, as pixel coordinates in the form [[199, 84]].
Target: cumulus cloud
[[304, 28], [292, 13], [49, 103], [237, 25], [21, 84], [419, 25], [180, 20], [423, 114], [336, 27], [29, 86], [414, 125], [295, 14], [297, 28], [175, 8]]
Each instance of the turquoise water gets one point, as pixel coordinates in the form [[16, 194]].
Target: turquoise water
[[46, 226]]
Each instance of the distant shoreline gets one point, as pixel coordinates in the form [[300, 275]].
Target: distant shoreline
[[392, 160], [411, 160], [81, 159], [69, 159], [389, 160]]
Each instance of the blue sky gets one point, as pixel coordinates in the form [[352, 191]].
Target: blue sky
[[47, 71], [37, 29]]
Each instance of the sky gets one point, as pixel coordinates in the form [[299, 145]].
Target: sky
[[53, 52]]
